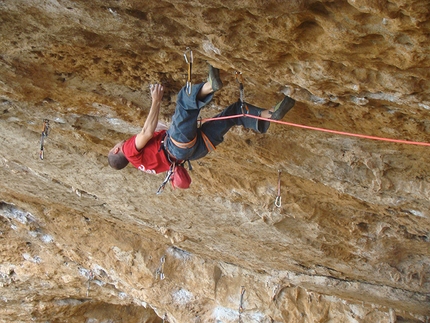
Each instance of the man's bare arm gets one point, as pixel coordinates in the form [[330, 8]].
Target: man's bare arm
[[151, 121]]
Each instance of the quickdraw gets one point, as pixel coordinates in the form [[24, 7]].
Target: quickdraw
[[90, 278], [159, 273], [45, 132], [278, 200], [242, 293], [239, 79], [166, 180], [189, 61]]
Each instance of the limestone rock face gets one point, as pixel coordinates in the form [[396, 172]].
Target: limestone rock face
[[350, 240]]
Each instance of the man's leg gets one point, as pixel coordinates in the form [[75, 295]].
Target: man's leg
[[215, 130], [184, 120], [182, 138]]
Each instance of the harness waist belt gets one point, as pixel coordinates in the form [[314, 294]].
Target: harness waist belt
[[184, 145]]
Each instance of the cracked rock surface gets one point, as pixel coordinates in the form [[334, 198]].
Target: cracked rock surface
[[350, 241]]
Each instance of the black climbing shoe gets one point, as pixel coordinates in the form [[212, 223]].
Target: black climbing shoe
[[214, 79], [282, 108]]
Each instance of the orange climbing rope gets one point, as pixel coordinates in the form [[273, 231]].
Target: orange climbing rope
[[320, 129]]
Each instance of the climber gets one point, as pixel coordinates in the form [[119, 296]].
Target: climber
[[154, 152]]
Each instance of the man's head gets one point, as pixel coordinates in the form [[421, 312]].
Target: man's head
[[116, 157]]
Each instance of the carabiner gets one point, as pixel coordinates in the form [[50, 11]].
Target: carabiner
[[166, 180], [239, 79], [278, 200], [242, 292], [189, 61], [45, 131]]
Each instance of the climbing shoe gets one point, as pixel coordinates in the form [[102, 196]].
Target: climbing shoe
[[214, 79], [282, 108]]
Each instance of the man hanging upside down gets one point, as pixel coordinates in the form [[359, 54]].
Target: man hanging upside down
[[153, 152]]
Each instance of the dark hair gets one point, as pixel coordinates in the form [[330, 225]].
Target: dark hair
[[117, 161]]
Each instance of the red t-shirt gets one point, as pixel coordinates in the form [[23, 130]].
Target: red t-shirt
[[150, 159]]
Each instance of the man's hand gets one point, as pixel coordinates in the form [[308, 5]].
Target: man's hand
[[157, 91], [142, 138]]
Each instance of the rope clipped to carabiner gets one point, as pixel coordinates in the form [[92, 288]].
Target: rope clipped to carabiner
[[189, 61], [45, 131], [278, 201], [239, 79]]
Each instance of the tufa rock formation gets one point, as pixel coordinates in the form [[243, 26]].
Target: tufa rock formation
[[350, 241]]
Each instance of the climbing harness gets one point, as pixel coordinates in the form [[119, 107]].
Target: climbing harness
[[239, 79], [177, 174], [278, 197], [183, 145], [242, 292], [159, 273], [45, 131], [189, 61]]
